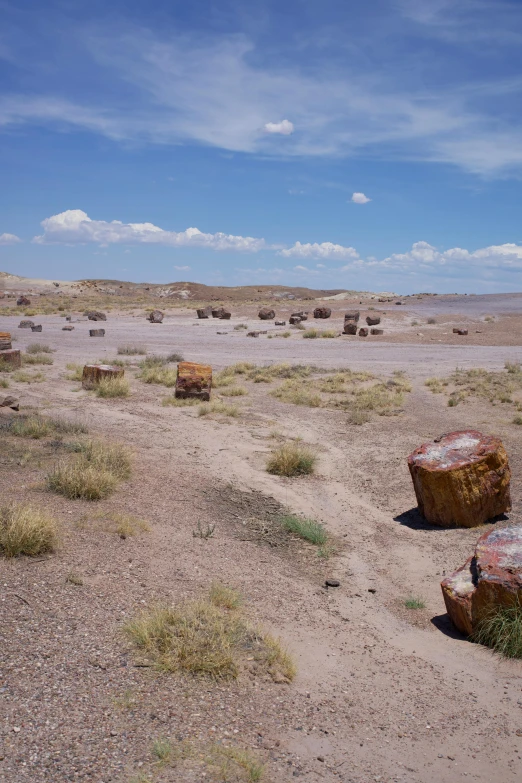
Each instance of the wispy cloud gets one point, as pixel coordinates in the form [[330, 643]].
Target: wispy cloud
[[182, 268], [75, 227], [9, 239]]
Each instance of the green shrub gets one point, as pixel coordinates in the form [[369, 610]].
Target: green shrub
[[501, 630], [308, 529]]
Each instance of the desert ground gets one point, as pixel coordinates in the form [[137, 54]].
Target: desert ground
[[382, 691]]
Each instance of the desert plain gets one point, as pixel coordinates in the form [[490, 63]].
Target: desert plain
[[385, 689]]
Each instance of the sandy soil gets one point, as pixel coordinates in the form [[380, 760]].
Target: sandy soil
[[383, 693]]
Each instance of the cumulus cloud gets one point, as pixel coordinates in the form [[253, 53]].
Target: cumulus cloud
[[424, 256], [284, 128], [360, 198], [316, 250], [74, 226], [182, 268], [9, 239]]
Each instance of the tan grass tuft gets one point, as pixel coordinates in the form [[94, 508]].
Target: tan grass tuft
[[291, 459], [25, 530]]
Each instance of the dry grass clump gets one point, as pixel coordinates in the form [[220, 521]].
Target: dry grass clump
[[38, 348], [179, 402], [437, 385], [291, 459], [93, 474], [382, 398], [225, 763], [75, 371], [26, 377], [314, 333], [297, 393], [132, 350], [25, 530], [496, 387], [36, 426], [37, 358], [124, 525], [175, 358], [207, 637], [414, 602], [238, 327], [234, 391], [501, 630], [307, 529], [112, 387], [5, 366], [4, 383], [216, 406], [159, 374]]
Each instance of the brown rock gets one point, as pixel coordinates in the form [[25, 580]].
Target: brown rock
[[155, 317], [350, 327], [204, 312], [217, 312], [93, 373], [280, 323], [5, 341], [354, 316], [295, 319], [373, 320], [37, 328], [96, 332], [302, 315], [225, 315], [322, 312], [10, 402], [67, 328], [12, 357], [23, 301], [253, 334], [491, 578], [376, 331], [193, 380], [26, 324], [266, 314], [96, 315], [363, 332], [460, 331], [461, 479]]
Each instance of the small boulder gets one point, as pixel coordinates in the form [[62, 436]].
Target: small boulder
[[193, 380], [266, 314], [295, 319], [253, 334], [302, 315], [460, 331], [322, 312], [12, 357], [350, 327], [155, 317], [23, 301], [280, 323], [353, 316], [96, 315], [93, 374], [26, 324], [225, 315], [96, 332], [217, 312], [10, 402], [376, 331], [373, 320], [37, 328], [68, 328], [204, 312], [363, 332], [5, 341]]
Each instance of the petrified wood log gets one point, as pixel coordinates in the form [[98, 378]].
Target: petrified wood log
[[363, 332], [280, 323], [5, 341], [96, 315], [461, 479], [350, 327], [67, 328], [373, 320], [295, 319], [266, 314], [155, 317], [194, 380], [204, 312], [226, 315], [93, 373], [26, 324], [13, 357], [352, 316], [322, 312], [491, 578], [253, 334], [23, 301], [96, 332], [10, 402], [302, 315], [37, 328], [460, 331], [376, 331]]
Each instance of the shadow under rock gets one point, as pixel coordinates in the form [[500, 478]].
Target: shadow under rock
[[443, 623], [414, 519]]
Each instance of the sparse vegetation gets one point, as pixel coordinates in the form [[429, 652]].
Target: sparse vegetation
[[132, 350], [94, 474], [238, 327], [5, 366], [501, 630], [291, 459], [205, 638], [308, 529], [517, 420], [37, 358], [75, 371], [112, 387], [36, 426], [25, 530], [297, 393], [26, 377], [158, 373], [314, 333], [234, 391], [225, 597], [4, 383], [432, 321], [414, 602], [180, 402], [123, 525], [175, 358], [33, 348], [496, 387], [216, 406]]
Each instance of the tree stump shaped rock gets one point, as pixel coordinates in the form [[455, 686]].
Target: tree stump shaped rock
[[266, 314], [295, 319], [10, 402], [491, 578], [23, 301], [155, 317], [12, 357], [36, 328], [96, 315], [217, 312], [376, 331], [226, 315], [461, 479], [350, 327], [5, 341], [373, 320], [26, 324], [204, 312], [354, 316], [322, 312], [363, 332], [96, 332], [93, 374], [193, 380]]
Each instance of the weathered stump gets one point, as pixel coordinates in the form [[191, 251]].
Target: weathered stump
[[26, 324], [155, 317], [460, 331], [461, 479], [12, 357], [354, 316], [96, 315], [322, 312], [37, 328], [194, 380], [350, 327], [96, 332], [376, 331], [204, 312], [10, 402], [491, 578], [226, 315], [373, 320], [363, 332], [302, 315], [295, 319], [93, 374], [5, 341], [265, 314], [23, 301], [217, 312]]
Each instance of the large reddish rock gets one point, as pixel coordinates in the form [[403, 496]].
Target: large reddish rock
[[302, 315], [93, 374], [10, 402], [193, 380], [266, 314], [5, 341], [350, 327], [96, 332], [322, 312], [373, 320], [12, 357], [96, 315], [363, 332], [217, 312], [461, 479], [491, 578]]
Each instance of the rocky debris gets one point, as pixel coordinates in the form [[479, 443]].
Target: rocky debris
[[68, 317], [96, 332], [36, 328], [67, 328], [5, 341], [204, 312], [322, 312], [350, 327], [93, 373], [280, 323], [96, 315], [226, 315], [376, 331], [23, 301], [26, 324], [354, 316], [295, 319], [57, 285], [155, 317], [193, 380], [265, 314], [373, 320], [461, 479], [253, 334], [13, 357], [217, 312], [302, 315], [460, 331], [332, 583], [492, 577], [363, 332], [398, 303], [10, 402]]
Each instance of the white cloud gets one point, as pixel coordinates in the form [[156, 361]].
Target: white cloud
[[284, 128], [9, 239], [360, 198], [182, 268], [75, 227], [316, 250]]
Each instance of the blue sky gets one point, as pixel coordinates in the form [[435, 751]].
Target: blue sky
[[335, 144]]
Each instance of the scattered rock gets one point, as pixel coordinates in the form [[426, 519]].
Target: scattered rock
[[350, 327], [265, 314], [218, 312], [23, 301], [10, 402], [322, 312], [67, 328], [13, 357], [376, 331], [26, 324], [491, 577], [461, 479], [460, 331], [332, 583], [194, 380], [373, 320], [93, 373], [303, 316], [353, 316], [96, 332], [96, 315], [253, 334], [155, 317], [204, 312], [226, 315], [363, 332], [295, 319], [280, 323], [37, 328], [5, 341]]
